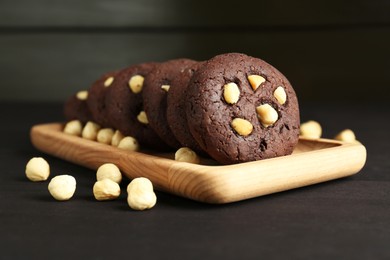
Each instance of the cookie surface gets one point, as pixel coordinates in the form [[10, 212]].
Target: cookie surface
[[124, 106], [158, 83], [176, 115], [76, 107], [96, 97], [235, 112]]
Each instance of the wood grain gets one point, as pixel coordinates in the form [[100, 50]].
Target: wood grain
[[313, 161], [318, 64], [52, 48], [188, 13]]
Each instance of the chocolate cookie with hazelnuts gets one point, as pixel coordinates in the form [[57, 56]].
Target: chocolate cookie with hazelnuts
[[240, 108]]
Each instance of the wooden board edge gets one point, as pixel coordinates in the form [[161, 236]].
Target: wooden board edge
[[210, 184]]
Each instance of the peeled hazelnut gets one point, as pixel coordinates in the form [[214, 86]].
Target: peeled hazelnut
[[105, 135], [165, 87], [267, 114], [62, 187], [311, 129], [140, 194], [231, 93], [136, 83], [185, 154], [90, 131], [129, 143], [82, 95], [346, 135], [255, 81], [109, 171], [106, 189], [74, 127], [142, 183], [280, 95], [241, 126], [142, 118], [37, 169], [116, 138], [108, 81]]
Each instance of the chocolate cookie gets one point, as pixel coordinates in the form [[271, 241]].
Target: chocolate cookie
[[124, 106], [240, 109], [176, 101], [76, 107], [96, 96], [157, 85]]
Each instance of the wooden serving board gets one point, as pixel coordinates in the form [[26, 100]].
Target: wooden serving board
[[313, 161]]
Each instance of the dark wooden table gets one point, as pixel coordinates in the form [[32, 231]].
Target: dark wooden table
[[342, 219]]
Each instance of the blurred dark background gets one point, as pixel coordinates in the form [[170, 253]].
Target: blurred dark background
[[331, 51]]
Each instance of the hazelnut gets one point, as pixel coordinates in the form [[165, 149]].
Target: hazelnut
[[142, 118], [90, 131], [241, 126], [106, 189], [280, 95], [116, 138], [256, 81], [108, 81], [311, 129], [105, 135], [140, 182], [165, 87], [129, 143], [109, 171], [136, 83], [62, 187], [231, 93], [267, 115], [347, 136], [140, 194], [37, 169], [74, 127], [82, 95], [185, 154]]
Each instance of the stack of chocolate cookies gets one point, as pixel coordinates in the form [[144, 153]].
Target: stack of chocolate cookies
[[233, 107]]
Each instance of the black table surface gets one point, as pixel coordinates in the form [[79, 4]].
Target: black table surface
[[347, 218]]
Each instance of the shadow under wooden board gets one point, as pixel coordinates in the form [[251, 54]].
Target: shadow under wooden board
[[313, 161]]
